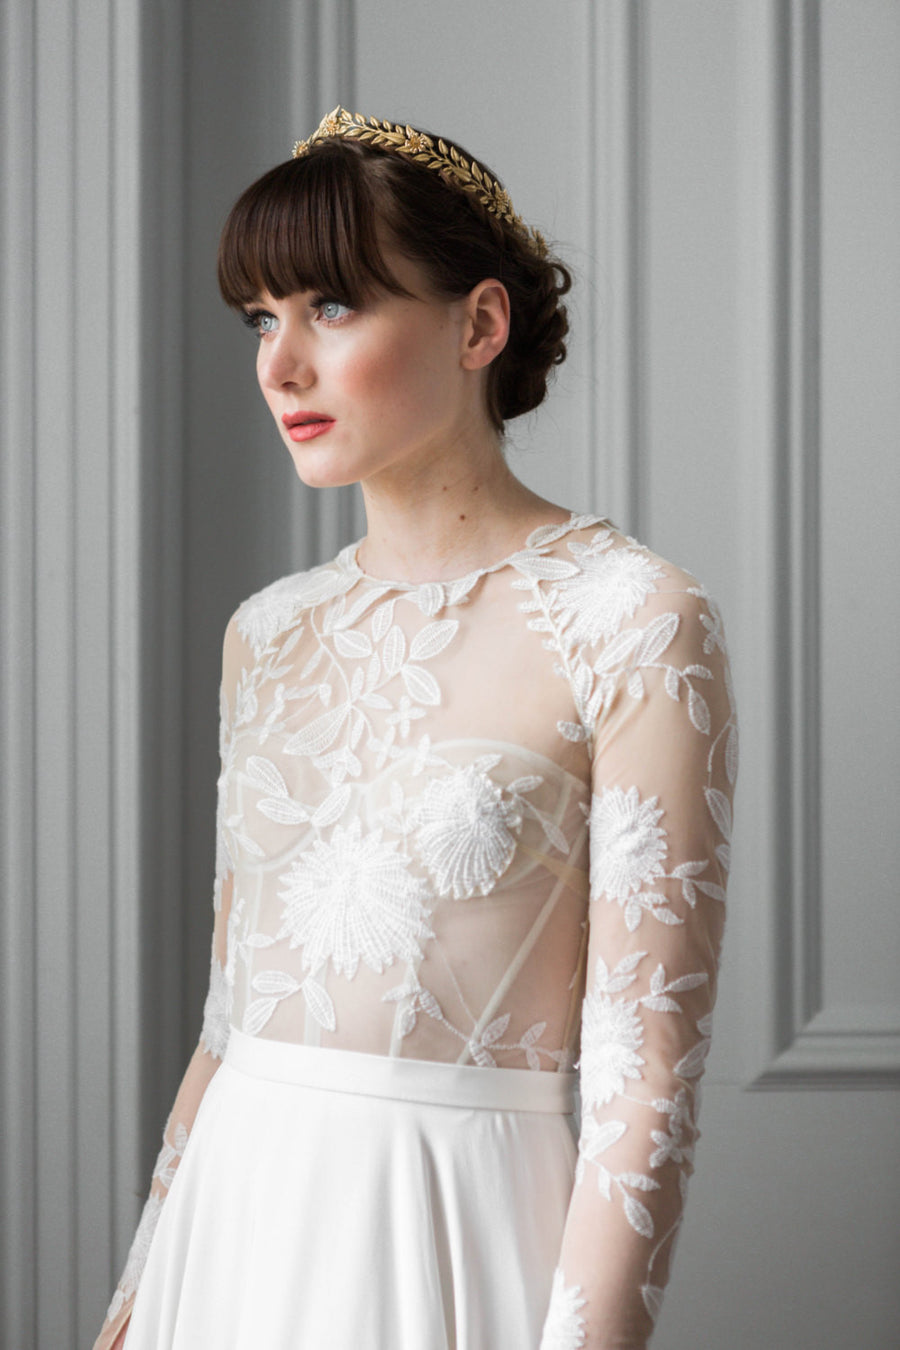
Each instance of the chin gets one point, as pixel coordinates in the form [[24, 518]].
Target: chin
[[324, 475]]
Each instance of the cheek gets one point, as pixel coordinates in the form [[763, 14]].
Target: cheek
[[406, 373]]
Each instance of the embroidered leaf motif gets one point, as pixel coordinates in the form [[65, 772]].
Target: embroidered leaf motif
[[319, 735], [544, 569], [393, 653], [596, 1138], [698, 711], [407, 1021], [429, 1004], [373, 672], [433, 638], [283, 811], [652, 1295], [319, 1003], [657, 636], [731, 755], [259, 940], [263, 774], [534, 1033], [571, 731], [352, 643], [660, 1003], [494, 1030], [430, 598], [720, 809], [421, 685], [685, 982], [670, 681], [635, 684], [458, 590], [312, 663], [691, 1065], [617, 650], [332, 807], [638, 1181], [382, 619], [257, 1015], [276, 983], [638, 1216]]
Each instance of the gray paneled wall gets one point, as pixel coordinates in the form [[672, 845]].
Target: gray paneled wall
[[724, 178]]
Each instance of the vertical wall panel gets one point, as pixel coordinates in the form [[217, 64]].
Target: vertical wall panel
[[811, 587], [72, 782], [725, 180], [17, 673]]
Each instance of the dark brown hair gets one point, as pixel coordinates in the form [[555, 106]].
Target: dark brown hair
[[314, 223]]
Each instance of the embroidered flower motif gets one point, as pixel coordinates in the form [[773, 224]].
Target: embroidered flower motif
[[467, 832], [627, 843], [675, 1143], [611, 1035], [611, 587], [263, 616], [353, 898], [564, 1328]]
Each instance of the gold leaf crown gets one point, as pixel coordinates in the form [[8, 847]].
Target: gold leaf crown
[[438, 156]]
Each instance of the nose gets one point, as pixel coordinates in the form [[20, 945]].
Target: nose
[[284, 362]]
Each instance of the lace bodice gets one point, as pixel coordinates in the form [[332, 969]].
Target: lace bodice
[[487, 821]]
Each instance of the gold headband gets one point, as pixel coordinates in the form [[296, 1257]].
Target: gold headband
[[438, 156]]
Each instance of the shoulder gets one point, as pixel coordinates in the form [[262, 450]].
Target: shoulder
[[609, 582], [263, 616]]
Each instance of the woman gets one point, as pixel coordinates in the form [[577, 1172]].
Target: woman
[[373, 1144]]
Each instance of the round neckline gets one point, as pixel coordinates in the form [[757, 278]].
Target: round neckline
[[540, 536]]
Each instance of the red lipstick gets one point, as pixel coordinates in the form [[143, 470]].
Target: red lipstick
[[304, 425]]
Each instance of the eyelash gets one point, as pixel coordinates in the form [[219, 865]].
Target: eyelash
[[252, 317]]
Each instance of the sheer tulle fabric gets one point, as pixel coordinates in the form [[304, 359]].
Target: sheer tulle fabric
[[480, 823]]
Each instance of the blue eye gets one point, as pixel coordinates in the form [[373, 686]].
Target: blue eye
[[332, 310], [260, 321]]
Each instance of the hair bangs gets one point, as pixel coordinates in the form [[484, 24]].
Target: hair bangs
[[309, 224]]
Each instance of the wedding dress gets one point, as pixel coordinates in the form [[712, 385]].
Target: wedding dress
[[473, 838]]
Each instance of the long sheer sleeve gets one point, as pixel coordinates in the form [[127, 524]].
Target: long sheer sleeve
[[660, 716], [210, 1048]]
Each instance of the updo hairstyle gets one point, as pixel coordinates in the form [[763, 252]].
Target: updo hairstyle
[[313, 224]]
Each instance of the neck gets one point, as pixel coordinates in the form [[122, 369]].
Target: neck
[[456, 513]]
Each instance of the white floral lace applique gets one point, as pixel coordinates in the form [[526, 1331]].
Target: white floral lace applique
[[353, 898], [564, 1327], [467, 830], [163, 1172], [216, 1026], [609, 587]]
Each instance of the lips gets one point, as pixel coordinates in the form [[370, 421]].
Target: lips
[[304, 425]]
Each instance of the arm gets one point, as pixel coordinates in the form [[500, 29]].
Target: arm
[[664, 762], [203, 1064]]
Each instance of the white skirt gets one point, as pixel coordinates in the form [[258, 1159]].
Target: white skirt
[[329, 1200]]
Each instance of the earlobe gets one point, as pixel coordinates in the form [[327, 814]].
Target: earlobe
[[487, 327]]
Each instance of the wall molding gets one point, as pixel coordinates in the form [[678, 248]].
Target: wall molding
[[323, 40], [618, 203], [89, 571], [799, 1042]]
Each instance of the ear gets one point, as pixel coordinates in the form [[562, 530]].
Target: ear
[[487, 324]]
